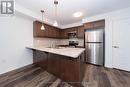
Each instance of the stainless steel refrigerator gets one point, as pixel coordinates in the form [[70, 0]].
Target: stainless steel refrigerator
[[94, 44]]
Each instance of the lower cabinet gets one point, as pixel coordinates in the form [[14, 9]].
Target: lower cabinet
[[70, 71], [53, 64], [66, 68], [40, 58]]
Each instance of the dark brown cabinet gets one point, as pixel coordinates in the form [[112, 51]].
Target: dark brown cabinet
[[95, 24], [99, 24], [53, 32], [49, 32], [66, 68], [40, 58], [37, 32], [79, 30], [70, 70], [80, 33], [88, 25], [53, 64], [64, 32]]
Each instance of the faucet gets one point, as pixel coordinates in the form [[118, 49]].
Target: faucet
[[53, 44]]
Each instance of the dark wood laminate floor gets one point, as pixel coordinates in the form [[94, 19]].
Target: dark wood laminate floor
[[34, 76]]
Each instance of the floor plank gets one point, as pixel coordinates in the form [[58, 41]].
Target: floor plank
[[34, 76]]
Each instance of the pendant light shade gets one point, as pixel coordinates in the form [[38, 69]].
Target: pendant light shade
[[55, 22], [42, 27]]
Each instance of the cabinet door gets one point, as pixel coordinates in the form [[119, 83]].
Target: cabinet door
[[99, 24], [70, 70], [50, 31], [89, 25], [37, 29], [53, 64], [46, 34], [80, 32], [95, 24], [57, 33], [63, 34], [40, 58], [66, 33], [54, 32]]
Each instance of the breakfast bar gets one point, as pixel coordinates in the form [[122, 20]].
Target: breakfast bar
[[65, 63]]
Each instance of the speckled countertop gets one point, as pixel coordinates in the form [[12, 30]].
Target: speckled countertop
[[70, 52]]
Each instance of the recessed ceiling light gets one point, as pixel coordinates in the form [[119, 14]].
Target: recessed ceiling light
[[78, 14]]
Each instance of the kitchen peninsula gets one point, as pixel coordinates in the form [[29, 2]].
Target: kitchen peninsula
[[65, 63]]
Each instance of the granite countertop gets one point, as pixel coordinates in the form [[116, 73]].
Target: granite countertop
[[65, 51]]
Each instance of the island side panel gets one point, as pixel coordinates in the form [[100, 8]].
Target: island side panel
[[82, 66], [70, 70], [40, 58], [53, 64]]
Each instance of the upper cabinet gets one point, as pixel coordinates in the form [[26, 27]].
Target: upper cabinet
[[37, 32], [49, 32], [99, 24], [88, 25], [64, 32], [53, 32], [95, 24], [80, 33]]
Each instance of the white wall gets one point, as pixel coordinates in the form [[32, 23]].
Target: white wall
[[109, 17], [22, 10], [15, 34]]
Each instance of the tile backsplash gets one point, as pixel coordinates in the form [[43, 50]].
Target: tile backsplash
[[45, 41], [48, 41]]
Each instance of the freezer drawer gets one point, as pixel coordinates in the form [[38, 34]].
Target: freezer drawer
[[94, 53]]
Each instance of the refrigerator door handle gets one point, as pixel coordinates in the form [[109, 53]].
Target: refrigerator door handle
[[115, 46]]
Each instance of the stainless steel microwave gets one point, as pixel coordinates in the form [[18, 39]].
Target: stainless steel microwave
[[72, 35]]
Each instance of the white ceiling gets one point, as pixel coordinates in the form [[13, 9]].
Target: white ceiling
[[66, 8]]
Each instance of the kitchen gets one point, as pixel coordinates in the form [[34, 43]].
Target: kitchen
[[31, 38]]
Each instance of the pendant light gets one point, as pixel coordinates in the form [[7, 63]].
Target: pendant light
[[42, 27], [55, 22]]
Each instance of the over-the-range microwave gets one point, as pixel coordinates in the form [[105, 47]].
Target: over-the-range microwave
[[72, 34]]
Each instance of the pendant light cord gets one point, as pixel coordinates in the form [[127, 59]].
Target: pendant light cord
[[55, 12], [42, 15], [42, 18], [55, 3]]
